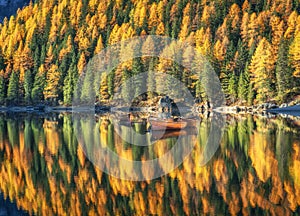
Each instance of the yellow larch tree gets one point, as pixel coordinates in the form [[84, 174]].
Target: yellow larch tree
[[220, 49], [160, 30], [99, 45], [292, 21], [184, 32], [234, 18], [52, 82], [244, 27], [277, 26], [246, 6], [49, 57], [202, 39], [153, 16], [115, 35], [81, 63], [294, 56], [83, 41], [54, 25], [253, 30], [66, 49], [262, 70]]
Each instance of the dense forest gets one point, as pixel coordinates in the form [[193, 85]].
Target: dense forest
[[254, 46]]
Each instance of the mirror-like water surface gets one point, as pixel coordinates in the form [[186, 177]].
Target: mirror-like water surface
[[45, 167]]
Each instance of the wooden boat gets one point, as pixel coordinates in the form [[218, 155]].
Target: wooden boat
[[166, 124]]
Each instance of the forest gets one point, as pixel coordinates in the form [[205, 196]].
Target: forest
[[254, 46]]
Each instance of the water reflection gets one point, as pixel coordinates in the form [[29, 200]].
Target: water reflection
[[44, 170]]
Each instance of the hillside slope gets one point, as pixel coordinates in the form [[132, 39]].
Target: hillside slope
[[253, 46]]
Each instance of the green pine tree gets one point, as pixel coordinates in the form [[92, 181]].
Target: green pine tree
[[127, 87], [2, 90], [232, 87], [69, 84], [137, 68], [28, 86], [283, 72], [243, 85], [38, 88], [13, 88]]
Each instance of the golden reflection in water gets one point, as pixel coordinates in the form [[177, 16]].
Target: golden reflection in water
[[255, 170]]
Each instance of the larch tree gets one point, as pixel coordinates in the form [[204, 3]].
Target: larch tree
[[52, 81], [153, 19], [277, 26], [244, 28], [291, 25], [104, 94], [262, 71], [81, 63], [184, 32], [253, 30], [99, 45], [160, 30], [294, 55]]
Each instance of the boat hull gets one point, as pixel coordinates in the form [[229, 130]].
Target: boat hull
[[157, 124]]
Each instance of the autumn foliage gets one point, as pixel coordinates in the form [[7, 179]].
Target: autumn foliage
[[241, 39]]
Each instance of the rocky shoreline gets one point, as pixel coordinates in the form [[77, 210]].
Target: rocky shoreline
[[261, 109]]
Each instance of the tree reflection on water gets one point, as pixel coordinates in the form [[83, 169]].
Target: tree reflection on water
[[255, 170]]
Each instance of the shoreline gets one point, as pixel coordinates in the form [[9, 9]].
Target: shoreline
[[259, 109]]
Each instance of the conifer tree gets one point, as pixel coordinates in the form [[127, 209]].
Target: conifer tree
[[294, 54], [69, 83], [127, 85], [110, 83], [283, 72], [262, 71], [136, 69], [52, 81], [2, 88], [39, 85], [28, 86], [13, 88], [243, 85]]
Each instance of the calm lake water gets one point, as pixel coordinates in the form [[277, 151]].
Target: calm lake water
[[46, 168]]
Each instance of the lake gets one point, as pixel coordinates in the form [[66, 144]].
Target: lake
[[60, 164]]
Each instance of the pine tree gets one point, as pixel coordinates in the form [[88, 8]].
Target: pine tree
[[2, 88], [28, 86], [110, 84], [39, 85], [137, 68], [283, 72], [69, 83], [13, 88], [151, 85], [243, 85], [127, 86], [232, 86], [251, 94]]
